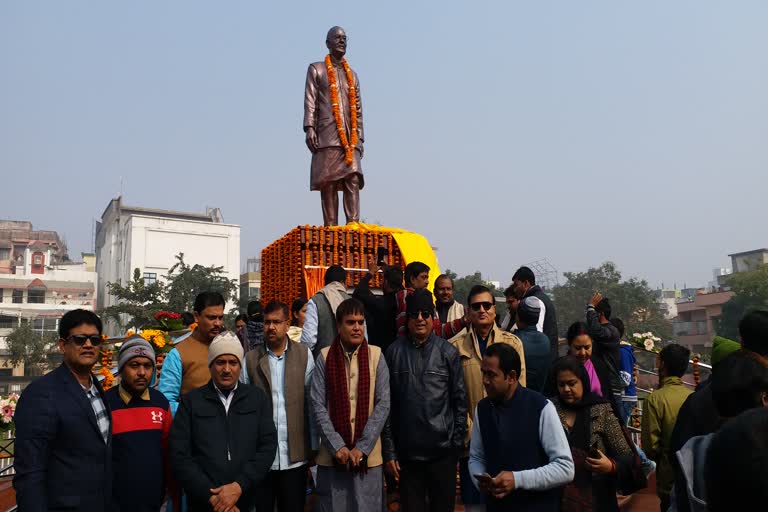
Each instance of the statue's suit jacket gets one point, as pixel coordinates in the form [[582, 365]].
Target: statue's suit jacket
[[318, 112]]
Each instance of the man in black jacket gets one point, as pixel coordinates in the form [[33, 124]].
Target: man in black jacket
[[380, 311], [524, 283], [606, 346], [223, 440], [428, 417], [63, 428]]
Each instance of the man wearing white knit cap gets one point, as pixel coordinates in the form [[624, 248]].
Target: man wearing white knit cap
[[223, 440]]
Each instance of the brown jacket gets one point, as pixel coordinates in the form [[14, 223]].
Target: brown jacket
[[195, 372], [469, 351], [318, 112]]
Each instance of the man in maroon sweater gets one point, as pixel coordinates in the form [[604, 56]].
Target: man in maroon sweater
[[141, 422]]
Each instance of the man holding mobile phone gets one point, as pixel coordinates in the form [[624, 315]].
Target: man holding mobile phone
[[519, 455]]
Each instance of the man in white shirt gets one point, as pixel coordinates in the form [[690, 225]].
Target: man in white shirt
[[283, 369]]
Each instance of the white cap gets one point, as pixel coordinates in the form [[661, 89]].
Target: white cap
[[225, 343]]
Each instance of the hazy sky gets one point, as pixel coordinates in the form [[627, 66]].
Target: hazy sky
[[505, 132]]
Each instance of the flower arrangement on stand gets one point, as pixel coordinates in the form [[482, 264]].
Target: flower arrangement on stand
[[7, 411], [647, 341]]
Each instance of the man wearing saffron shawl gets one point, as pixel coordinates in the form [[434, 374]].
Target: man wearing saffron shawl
[[350, 405]]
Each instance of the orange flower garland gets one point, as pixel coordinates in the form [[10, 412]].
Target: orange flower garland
[[696, 374], [349, 147], [106, 368]]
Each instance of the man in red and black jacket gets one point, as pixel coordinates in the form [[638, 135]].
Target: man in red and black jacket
[[417, 278], [141, 422]]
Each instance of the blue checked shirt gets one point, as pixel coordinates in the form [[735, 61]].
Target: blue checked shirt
[[102, 416]]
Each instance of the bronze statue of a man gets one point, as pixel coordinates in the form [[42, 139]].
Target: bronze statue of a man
[[333, 123]]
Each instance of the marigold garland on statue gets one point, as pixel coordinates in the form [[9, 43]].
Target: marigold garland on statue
[[349, 146]]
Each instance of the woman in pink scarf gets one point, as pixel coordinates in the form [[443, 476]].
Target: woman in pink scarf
[[580, 346]]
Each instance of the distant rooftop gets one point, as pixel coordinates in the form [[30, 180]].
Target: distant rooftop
[[212, 215], [753, 251]]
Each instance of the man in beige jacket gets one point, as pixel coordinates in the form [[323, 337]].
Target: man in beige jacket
[[471, 346]]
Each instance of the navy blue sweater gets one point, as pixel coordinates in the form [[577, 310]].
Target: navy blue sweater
[[139, 450]]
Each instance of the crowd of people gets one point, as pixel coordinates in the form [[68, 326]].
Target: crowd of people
[[355, 397]]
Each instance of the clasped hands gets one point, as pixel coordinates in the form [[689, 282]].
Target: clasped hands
[[347, 457], [224, 498]]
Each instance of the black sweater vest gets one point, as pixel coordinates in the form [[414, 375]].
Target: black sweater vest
[[510, 433]]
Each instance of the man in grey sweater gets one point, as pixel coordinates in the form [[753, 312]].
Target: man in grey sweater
[[518, 455]]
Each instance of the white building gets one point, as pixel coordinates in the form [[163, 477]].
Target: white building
[[129, 238]]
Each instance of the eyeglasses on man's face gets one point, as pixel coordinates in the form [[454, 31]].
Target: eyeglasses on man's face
[[423, 313], [80, 339], [485, 305]]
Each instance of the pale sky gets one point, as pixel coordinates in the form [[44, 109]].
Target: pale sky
[[505, 132]]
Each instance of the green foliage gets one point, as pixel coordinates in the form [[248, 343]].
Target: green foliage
[[750, 293], [31, 348], [631, 300], [138, 303], [185, 283], [462, 285]]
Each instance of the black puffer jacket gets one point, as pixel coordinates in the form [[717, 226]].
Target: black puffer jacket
[[428, 416], [210, 447]]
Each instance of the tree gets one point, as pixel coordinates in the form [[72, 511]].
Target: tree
[[137, 302], [631, 300], [185, 283], [31, 348], [750, 293], [462, 285]]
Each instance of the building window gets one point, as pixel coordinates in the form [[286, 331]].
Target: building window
[[5, 253], [7, 322], [36, 296], [150, 278], [17, 297]]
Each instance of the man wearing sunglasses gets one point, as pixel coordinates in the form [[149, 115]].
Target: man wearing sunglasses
[[428, 416], [63, 428], [481, 333]]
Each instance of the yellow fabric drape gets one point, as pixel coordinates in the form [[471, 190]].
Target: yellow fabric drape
[[413, 247]]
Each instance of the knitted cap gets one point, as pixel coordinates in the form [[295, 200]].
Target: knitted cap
[[225, 343], [135, 346]]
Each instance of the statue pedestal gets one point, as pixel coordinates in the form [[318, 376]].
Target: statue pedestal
[[294, 265]]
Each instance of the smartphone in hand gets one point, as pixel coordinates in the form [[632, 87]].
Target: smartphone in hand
[[593, 453]]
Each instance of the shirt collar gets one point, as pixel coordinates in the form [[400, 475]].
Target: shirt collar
[[89, 387], [221, 394], [269, 350], [126, 396]]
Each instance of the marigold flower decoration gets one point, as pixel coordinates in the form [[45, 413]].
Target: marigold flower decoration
[[157, 338], [349, 146], [193, 326], [106, 368]]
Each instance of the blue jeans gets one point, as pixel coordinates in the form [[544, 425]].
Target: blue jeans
[[626, 410]]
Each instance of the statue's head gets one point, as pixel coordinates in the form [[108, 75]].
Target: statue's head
[[336, 41]]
